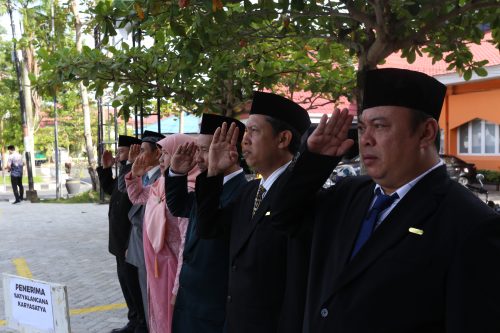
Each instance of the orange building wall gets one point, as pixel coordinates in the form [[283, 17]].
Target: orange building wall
[[466, 107], [483, 162], [453, 138], [464, 103]]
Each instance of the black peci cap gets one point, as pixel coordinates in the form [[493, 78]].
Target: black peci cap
[[150, 136], [210, 122], [127, 141], [401, 87], [280, 108]]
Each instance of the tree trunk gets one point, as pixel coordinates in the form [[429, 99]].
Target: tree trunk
[[87, 130], [29, 143], [87, 133], [32, 100], [35, 98]]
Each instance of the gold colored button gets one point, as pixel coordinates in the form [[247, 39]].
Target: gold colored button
[[416, 231]]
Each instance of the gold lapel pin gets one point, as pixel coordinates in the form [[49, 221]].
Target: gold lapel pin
[[416, 231], [268, 213]]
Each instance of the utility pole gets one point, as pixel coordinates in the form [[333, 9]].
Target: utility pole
[[31, 193]]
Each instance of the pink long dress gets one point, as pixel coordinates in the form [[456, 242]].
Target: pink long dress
[[163, 239]]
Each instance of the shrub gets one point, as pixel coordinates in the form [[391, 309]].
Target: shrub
[[490, 176]]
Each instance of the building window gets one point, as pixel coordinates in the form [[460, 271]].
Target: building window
[[463, 139], [490, 138], [479, 137]]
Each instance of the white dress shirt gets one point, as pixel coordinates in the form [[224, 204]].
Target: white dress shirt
[[267, 183], [402, 191]]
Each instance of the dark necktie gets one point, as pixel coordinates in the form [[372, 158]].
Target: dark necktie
[[382, 202], [258, 198]]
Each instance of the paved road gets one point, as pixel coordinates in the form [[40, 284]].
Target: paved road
[[67, 244]]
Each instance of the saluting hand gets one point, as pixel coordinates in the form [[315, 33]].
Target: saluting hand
[[183, 159], [223, 152], [330, 137], [141, 166], [107, 159], [134, 151]]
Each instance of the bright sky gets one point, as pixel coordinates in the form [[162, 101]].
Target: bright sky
[[88, 40], [5, 22]]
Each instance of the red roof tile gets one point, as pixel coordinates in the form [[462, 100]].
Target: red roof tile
[[484, 51]]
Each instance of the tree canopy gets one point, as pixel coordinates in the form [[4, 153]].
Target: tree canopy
[[10, 117], [211, 54], [37, 40]]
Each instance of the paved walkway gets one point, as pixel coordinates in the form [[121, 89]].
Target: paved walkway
[[67, 244]]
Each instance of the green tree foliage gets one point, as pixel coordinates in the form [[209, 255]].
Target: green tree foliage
[[10, 116], [197, 61], [70, 124], [210, 54], [37, 37]]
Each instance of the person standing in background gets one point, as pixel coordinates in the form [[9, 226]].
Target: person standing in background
[[15, 167]]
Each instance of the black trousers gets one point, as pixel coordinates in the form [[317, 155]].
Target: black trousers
[[129, 283], [17, 182]]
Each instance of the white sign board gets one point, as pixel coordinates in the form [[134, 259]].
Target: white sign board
[[35, 306], [32, 303]]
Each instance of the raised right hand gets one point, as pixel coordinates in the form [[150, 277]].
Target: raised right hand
[[134, 151], [107, 159], [183, 159], [140, 166], [223, 152], [330, 137]]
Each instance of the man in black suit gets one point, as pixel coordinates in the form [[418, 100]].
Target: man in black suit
[[201, 299], [119, 232], [267, 275], [406, 249]]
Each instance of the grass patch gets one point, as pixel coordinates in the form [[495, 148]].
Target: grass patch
[[84, 197], [36, 179]]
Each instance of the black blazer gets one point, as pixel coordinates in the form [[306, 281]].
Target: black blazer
[[268, 269], [119, 205], [203, 278], [444, 280]]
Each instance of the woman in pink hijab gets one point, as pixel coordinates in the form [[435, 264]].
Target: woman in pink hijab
[[163, 237]]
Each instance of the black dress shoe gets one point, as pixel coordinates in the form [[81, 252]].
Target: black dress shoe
[[125, 329], [16, 202]]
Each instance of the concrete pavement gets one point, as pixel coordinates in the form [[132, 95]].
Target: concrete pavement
[[66, 244]]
